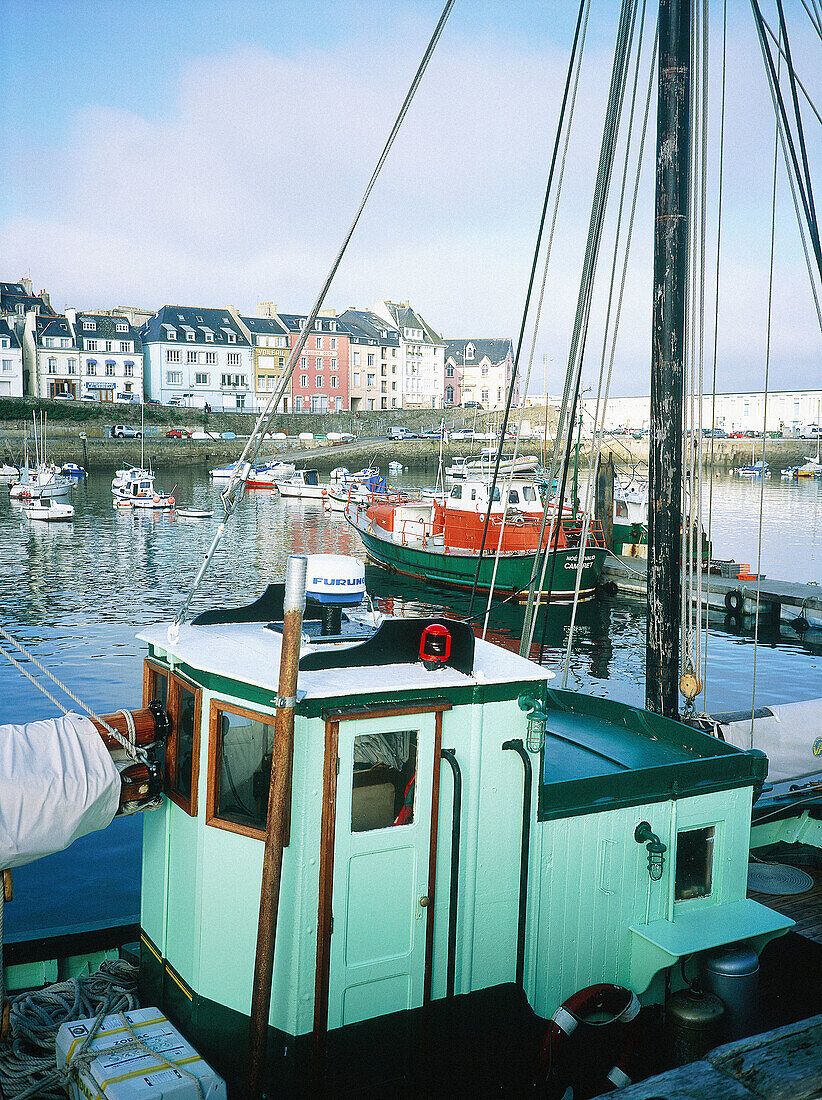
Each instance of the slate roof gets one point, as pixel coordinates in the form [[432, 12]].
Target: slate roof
[[105, 328], [367, 327], [405, 317], [14, 294], [54, 326], [8, 331], [293, 322], [195, 318], [496, 351], [264, 326]]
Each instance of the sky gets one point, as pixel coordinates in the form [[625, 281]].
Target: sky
[[204, 153]]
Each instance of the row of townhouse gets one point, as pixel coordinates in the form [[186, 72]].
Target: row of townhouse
[[78, 354], [387, 357]]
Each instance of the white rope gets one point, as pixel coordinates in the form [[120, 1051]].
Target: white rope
[[132, 750], [131, 729]]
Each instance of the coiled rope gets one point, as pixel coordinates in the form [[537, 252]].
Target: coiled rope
[[27, 1058]]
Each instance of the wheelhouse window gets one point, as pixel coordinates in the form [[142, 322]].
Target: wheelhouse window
[[241, 747], [693, 877], [182, 751], [155, 685], [385, 769]]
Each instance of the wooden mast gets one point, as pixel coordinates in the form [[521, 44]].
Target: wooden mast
[[673, 151]]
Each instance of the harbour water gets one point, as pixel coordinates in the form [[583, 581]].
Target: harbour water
[[77, 594]]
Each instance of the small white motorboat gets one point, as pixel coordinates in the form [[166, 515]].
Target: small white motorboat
[[71, 469], [305, 484], [48, 509], [8, 474], [195, 513]]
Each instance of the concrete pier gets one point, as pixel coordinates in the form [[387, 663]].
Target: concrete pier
[[779, 601]]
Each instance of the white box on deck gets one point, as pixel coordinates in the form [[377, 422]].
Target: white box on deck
[[121, 1070]]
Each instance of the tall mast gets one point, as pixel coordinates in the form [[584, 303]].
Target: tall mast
[[673, 148]]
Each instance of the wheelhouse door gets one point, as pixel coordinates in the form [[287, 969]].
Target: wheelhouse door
[[380, 896]]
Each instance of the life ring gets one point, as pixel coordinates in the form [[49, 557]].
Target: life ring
[[171, 501], [621, 1005], [734, 601], [156, 498]]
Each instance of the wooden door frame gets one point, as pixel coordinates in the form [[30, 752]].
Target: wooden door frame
[[327, 845]]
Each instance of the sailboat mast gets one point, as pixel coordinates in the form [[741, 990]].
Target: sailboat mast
[[673, 150]]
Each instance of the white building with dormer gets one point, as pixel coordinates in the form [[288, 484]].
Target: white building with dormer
[[479, 372], [11, 362], [422, 356], [109, 357], [197, 356]]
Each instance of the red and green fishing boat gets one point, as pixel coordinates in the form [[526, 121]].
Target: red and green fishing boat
[[439, 540]]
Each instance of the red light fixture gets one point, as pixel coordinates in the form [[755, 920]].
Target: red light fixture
[[435, 645]]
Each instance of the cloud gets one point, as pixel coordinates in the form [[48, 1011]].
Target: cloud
[[244, 189]]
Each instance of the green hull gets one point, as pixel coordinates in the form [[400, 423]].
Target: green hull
[[513, 574]]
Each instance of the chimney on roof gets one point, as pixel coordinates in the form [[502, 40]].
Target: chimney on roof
[[26, 285], [328, 312], [44, 295]]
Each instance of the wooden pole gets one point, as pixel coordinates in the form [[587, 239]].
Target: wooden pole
[[673, 147], [279, 796]]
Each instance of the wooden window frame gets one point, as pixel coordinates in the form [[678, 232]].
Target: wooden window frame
[[216, 707], [175, 682], [151, 669]]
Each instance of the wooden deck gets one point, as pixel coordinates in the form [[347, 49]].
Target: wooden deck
[[805, 909]]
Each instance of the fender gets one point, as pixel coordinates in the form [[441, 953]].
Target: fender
[[622, 1006]]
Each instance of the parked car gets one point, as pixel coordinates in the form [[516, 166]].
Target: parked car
[[472, 405], [178, 433], [811, 431], [125, 431], [401, 433], [736, 435], [63, 397], [432, 433], [462, 433]]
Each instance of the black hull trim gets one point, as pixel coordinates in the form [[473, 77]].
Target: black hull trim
[[480, 1044]]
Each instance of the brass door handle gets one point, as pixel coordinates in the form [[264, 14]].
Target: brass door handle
[[423, 902]]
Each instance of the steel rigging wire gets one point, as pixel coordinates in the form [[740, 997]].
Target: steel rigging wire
[[255, 440], [613, 114], [602, 395], [584, 4]]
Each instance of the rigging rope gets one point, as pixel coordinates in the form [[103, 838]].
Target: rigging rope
[[255, 440], [528, 293], [602, 395], [134, 751], [613, 114], [720, 182], [765, 419]]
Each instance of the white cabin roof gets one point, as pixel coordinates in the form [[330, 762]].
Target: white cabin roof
[[250, 653]]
